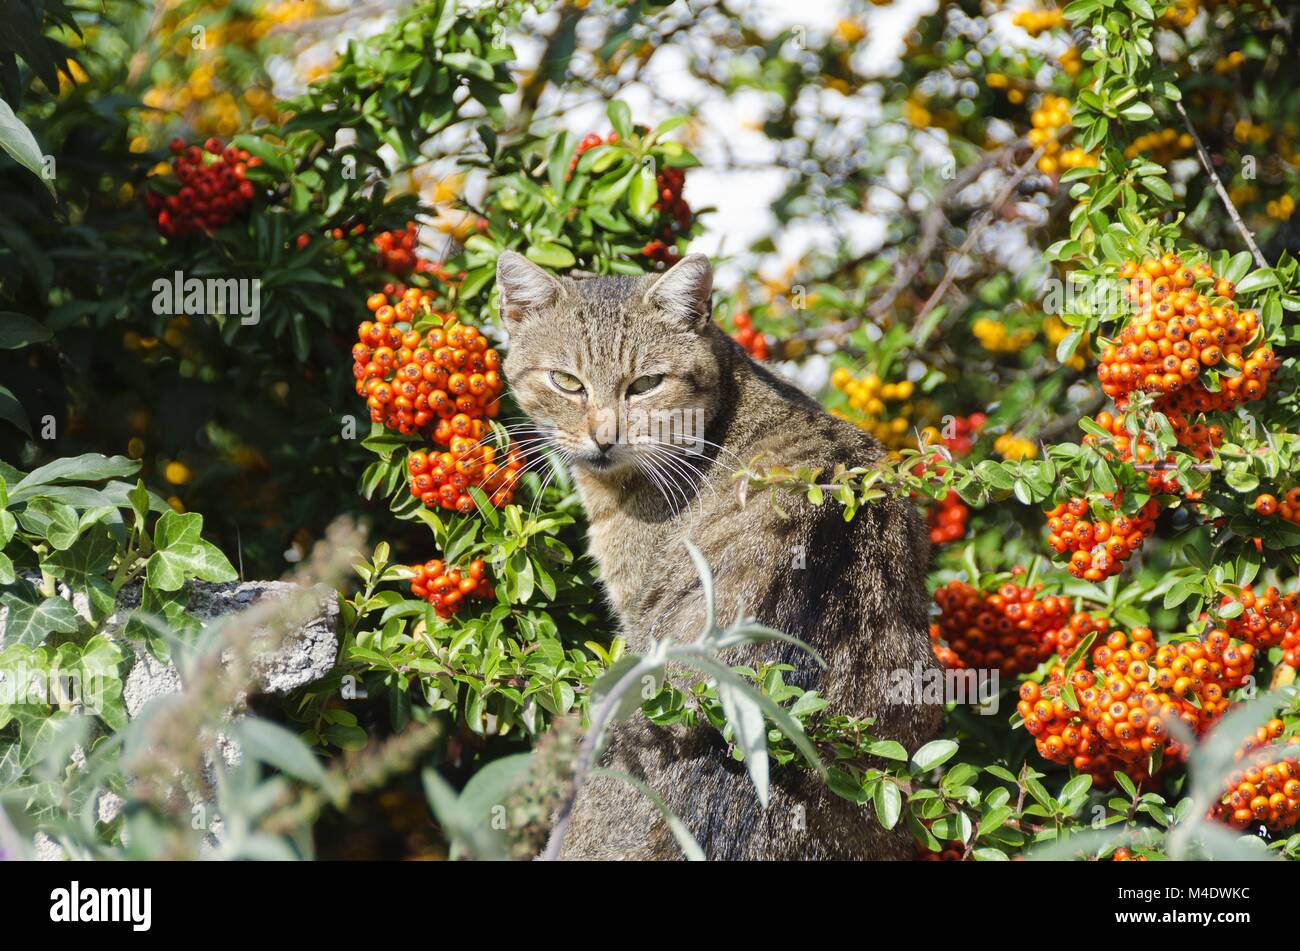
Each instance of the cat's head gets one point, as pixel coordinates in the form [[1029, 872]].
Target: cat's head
[[614, 370]]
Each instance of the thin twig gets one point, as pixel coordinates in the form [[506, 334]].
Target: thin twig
[[1260, 260], [950, 274], [930, 229]]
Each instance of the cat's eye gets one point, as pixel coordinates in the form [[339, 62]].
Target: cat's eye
[[566, 382], [644, 384]]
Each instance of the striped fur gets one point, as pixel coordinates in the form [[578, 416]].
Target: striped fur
[[853, 590]]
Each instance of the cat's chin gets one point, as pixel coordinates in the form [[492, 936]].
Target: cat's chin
[[602, 467]]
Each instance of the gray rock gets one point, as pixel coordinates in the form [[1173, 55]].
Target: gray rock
[[302, 656]]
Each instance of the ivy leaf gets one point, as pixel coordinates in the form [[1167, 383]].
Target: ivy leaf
[[54, 521], [100, 667], [82, 568], [182, 554], [30, 624]]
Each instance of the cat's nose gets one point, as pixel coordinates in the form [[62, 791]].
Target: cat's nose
[[602, 447]]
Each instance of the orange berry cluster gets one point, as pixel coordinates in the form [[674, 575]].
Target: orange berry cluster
[[1266, 618], [1176, 331], [1012, 629], [1200, 439], [447, 379], [397, 251], [1127, 702], [1124, 855], [946, 520], [1267, 793], [447, 588], [213, 189], [1288, 507], [443, 479], [749, 337], [1098, 549]]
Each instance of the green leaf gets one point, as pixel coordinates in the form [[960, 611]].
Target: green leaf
[[1257, 281], [30, 624], [182, 554], [18, 141], [11, 411], [89, 467], [549, 254], [888, 803], [53, 521], [620, 117], [745, 717], [933, 754], [643, 192], [272, 744], [17, 330]]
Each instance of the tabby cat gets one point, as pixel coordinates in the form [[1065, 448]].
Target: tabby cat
[[653, 407]]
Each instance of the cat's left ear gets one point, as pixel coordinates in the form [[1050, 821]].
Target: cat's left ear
[[685, 291], [525, 288]]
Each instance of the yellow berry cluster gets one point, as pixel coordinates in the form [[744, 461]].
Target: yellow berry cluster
[[1181, 13], [1229, 63], [1014, 448], [869, 396], [1051, 124], [1282, 209], [1071, 61], [209, 104], [1163, 146], [1000, 81], [1035, 22], [995, 337]]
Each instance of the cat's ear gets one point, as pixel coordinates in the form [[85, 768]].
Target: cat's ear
[[685, 291], [525, 288]]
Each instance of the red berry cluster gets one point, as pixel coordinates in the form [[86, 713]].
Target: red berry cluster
[[675, 216], [444, 382], [1268, 792], [589, 142], [946, 520], [213, 190], [1098, 549], [396, 251], [1011, 630], [947, 516], [960, 433], [447, 588], [749, 337]]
